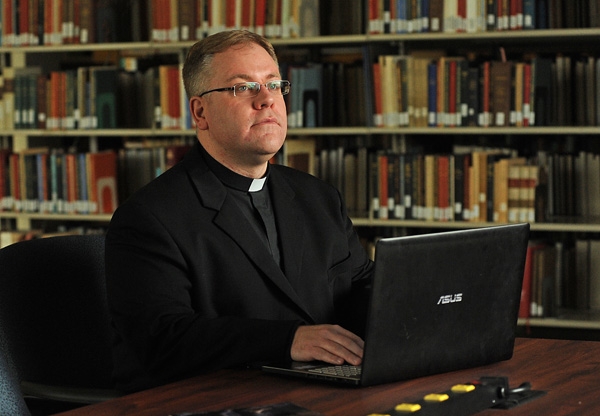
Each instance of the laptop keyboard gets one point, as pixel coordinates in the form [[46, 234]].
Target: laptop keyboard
[[338, 370]]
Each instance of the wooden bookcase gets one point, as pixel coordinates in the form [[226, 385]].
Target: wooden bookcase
[[517, 44]]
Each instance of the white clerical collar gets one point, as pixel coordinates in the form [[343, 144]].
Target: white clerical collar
[[257, 184]]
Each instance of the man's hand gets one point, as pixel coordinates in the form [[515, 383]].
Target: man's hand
[[330, 343]]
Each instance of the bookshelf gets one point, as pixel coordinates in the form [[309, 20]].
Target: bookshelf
[[519, 44]]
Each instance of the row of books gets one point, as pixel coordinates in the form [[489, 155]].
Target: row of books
[[431, 90], [560, 277], [94, 97], [395, 91], [469, 184], [195, 19], [478, 186], [53, 181], [56, 22], [471, 16], [445, 91], [38, 180], [139, 163]]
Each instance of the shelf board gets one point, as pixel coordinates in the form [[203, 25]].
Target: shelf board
[[504, 35], [102, 218], [568, 226], [322, 131], [559, 323], [508, 36], [98, 132]]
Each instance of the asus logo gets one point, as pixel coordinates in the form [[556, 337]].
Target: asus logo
[[450, 299]]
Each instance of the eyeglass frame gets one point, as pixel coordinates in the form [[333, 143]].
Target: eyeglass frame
[[232, 88]]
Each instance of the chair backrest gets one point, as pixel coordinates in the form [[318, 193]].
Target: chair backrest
[[54, 313], [11, 399]]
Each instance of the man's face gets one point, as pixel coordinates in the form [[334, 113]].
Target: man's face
[[242, 132]]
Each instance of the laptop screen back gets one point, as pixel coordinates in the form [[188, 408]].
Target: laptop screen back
[[443, 302]]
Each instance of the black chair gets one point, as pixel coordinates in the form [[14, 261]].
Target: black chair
[[54, 314], [11, 399]]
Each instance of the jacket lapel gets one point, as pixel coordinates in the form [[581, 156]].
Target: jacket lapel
[[227, 217], [290, 229]]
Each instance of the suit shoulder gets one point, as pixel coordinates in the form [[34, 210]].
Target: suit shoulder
[[300, 176]]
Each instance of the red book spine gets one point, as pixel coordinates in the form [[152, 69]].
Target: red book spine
[[260, 16], [485, 95], [230, 11], [452, 108], [461, 14], [526, 95], [525, 303], [8, 28]]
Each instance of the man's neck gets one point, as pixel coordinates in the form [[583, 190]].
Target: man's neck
[[255, 170]]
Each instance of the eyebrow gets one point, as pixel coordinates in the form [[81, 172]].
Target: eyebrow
[[247, 77]]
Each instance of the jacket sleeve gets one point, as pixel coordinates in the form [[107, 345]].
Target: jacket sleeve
[[159, 336]]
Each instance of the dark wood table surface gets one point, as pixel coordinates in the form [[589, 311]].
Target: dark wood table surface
[[568, 370]]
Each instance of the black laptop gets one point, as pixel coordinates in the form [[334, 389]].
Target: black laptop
[[440, 302]]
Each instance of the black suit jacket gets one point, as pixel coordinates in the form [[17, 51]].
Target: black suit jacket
[[191, 288]]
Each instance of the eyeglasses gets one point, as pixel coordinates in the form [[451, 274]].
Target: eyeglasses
[[251, 89]]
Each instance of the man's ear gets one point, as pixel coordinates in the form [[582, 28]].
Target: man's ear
[[197, 113]]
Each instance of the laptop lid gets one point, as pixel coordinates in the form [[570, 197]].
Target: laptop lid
[[440, 302], [443, 302]]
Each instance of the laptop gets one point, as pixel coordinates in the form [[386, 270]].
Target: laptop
[[440, 302]]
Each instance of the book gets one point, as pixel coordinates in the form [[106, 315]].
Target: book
[[429, 187], [484, 117], [311, 90], [420, 92], [516, 112], [299, 154], [103, 86], [377, 95], [542, 103], [374, 18], [501, 187], [528, 272], [516, 189], [445, 187], [436, 15], [582, 277], [102, 181], [530, 176], [500, 89], [450, 20], [594, 271], [105, 21], [187, 20]]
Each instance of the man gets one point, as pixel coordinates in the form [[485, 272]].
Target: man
[[197, 280]]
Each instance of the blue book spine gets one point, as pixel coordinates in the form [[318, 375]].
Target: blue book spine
[[424, 6], [401, 17], [529, 14]]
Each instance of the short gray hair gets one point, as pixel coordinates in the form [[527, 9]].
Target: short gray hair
[[196, 70]]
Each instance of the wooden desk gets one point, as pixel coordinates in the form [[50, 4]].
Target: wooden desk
[[568, 370]]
